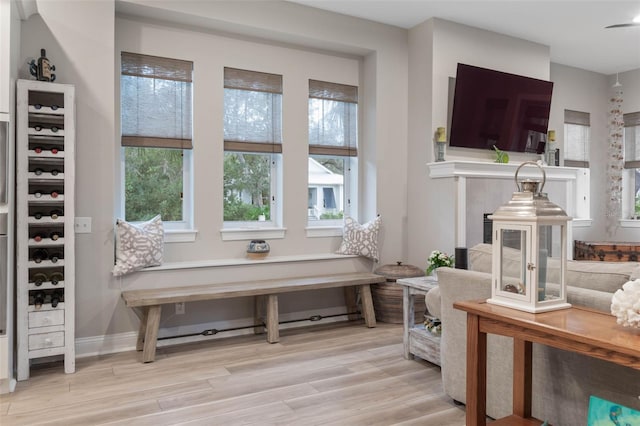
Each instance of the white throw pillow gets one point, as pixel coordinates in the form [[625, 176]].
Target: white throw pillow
[[360, 239], [138, 246]]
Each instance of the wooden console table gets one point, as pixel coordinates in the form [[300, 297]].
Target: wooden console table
[[579, 330]]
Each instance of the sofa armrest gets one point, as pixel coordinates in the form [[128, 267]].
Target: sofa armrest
[[593, 299], [457, 285]]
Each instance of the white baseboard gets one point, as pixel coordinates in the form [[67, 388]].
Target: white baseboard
[[122, 342]]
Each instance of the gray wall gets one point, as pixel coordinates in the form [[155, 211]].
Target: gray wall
[[404, 78]]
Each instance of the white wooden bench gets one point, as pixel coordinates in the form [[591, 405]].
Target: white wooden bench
[[151, 301]]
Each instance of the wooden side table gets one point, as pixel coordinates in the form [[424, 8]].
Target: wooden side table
[[418, 341], [579, 330]]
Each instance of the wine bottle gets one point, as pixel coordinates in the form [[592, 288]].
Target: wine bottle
[[54, 150], [56, 277], [56, 297], [38, 300], [39, 278], [55, 235], [54, 194], [40, 255], [44, 66], [38, 237], [37, 215], [38, 171], [37, 194], [55, 256], [38, 149], [54, 172], [55, 214]]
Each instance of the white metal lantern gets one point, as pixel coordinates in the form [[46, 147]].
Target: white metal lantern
[[529, 250]]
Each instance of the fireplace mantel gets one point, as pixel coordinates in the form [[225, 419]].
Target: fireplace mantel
[[573, 183]]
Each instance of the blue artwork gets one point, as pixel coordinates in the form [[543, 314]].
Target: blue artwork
[[607, 413]]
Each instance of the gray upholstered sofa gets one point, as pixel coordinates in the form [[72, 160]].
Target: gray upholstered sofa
[[562, 381]]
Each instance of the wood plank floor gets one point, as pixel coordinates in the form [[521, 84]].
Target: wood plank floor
[[334, 374]]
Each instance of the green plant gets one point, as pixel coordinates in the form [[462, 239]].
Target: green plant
[[438, 259], [338, 215]]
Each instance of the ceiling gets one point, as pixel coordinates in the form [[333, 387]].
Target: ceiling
[[573, 29]]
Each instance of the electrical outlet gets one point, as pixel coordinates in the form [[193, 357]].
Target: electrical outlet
[[180, 308], [82, 225]]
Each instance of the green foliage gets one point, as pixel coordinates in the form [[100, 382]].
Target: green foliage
[[246, 174], [153, 183], [338, 215]]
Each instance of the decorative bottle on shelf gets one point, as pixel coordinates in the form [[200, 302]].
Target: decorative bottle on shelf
[[40, 255], [39, 278], [56, 256], [38, 300], [42, 68], [56, 297], [56, 277]]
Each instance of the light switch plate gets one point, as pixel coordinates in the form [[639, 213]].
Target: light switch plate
[[82, 225]]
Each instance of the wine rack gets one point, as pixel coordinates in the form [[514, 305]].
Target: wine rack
[[45, 267]]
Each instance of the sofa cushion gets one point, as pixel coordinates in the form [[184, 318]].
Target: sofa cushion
[[601, 276]]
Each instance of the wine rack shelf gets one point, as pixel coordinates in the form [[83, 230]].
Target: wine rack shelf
[[45, 243]]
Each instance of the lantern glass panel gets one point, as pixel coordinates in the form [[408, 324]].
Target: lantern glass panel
[[549, 262], [513, 239]]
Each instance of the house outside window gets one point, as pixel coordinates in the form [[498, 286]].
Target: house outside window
[[156, 129], [577, 136], [632, 162], [333, 130], [252, 148]]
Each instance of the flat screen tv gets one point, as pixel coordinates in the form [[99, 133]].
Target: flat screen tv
[[497, 108]]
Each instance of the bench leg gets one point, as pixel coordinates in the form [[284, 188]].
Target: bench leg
[[259, 314], [351, 301], [273, 333], [367, 305], [151, 334], [142, 329]]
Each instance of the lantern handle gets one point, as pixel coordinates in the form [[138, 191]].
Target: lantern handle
[[533, 163]]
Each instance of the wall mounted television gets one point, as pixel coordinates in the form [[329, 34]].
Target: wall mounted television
[[497, 108]]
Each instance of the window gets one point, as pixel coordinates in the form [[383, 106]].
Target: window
[[632, 158], [576, 138], [333, 118], [252, 148], [156, 117]]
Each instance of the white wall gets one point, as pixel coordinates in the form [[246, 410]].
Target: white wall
[[435, 49], [80, 40]]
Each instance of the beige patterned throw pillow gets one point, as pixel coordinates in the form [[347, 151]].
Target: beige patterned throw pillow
[[138, 246], [360, 239]]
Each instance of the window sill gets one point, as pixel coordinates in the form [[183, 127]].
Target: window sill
[[630, 223], [582, 223], [237, 234], [241, 261], [180, 235], [324, 231]]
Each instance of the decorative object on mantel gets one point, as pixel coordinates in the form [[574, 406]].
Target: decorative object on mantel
[[258, 249], [533, 223], [615, 164], [501, 156], [360, 239], [441, 141], [438, 259], [550, 152], [625, 304], [42, 68]]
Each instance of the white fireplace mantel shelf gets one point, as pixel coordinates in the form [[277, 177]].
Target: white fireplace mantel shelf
[[575, 182], [478, 169]]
